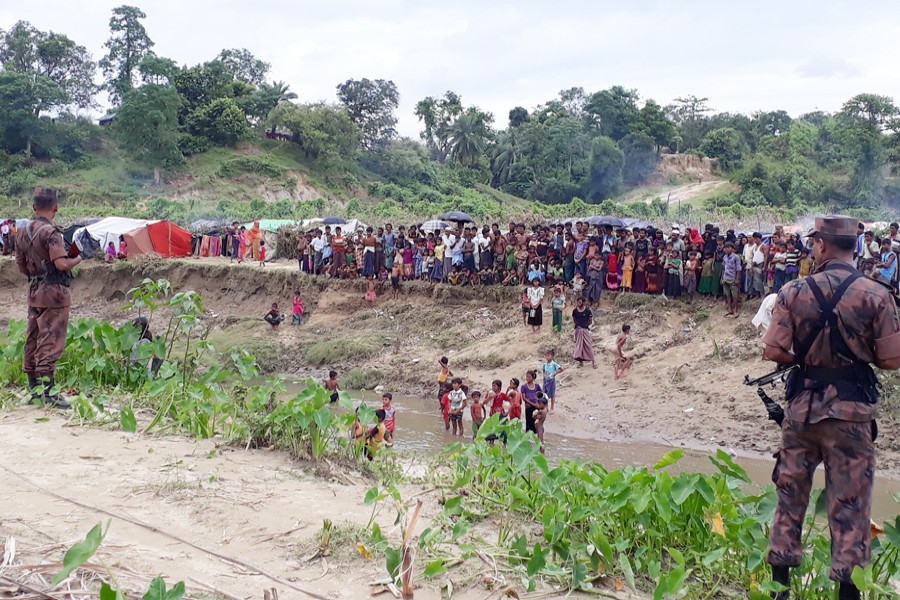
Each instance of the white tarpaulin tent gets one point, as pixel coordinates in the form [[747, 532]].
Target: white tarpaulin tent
[[109, 229]]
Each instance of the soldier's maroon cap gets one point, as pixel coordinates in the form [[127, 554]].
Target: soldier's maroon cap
[[836, 225], [44, 193]]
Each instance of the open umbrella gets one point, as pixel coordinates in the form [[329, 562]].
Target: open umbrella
[[334, 221], [457, 216], [610, 221], [430, 226]]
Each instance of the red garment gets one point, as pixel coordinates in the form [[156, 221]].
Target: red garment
[[696, 238], [497, 403], [262, 254], [612, 262]]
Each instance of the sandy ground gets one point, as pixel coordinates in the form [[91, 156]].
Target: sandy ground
[[257, 507]]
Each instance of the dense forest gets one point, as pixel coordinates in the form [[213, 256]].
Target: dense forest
[[581, 146]]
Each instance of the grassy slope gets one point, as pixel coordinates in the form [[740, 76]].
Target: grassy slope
[[114, 184]]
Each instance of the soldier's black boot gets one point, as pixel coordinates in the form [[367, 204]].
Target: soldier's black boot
[[33, 384], [51, 399], [848, 591], [782, 575]]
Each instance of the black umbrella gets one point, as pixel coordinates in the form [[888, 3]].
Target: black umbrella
[[334, 221], [457, 217], [610, 221]]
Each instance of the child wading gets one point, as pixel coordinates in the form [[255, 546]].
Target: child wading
[[457, 397], [390, 414], [331, 384], [375, 436], [477, 412]]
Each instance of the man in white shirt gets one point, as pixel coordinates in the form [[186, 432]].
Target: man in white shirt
[[318, 245]]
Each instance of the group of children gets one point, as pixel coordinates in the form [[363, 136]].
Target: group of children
[[529, 401], [275, 317]]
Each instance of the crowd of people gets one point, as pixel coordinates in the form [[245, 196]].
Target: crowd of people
[[8, 231]]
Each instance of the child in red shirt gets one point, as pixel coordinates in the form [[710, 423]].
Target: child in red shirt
[[445, 407], [477, 412], [262, 254], [389, 418], [515, 399], [496, 398]]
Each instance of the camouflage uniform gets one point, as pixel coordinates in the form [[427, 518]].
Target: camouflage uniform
[[821, 424], [37, 246]]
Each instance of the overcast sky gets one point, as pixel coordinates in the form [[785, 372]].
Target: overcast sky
[[797, 55]]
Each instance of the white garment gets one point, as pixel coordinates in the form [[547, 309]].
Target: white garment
[[763, 316], [318, 244], [535, 295]]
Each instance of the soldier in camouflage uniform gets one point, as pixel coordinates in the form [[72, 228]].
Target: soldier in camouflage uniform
[[833, 325], [41, 255]]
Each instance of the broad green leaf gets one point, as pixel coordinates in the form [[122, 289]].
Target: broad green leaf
[[714, 556], [434, 568], [683, 488], [127, 419], [670, 458], [537, 561], [79, 554], [371, 496], [677, 555], [157, 591], [460, 529], [625, 564], [107, 593]]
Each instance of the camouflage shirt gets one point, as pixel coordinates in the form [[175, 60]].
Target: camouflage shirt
[[37, 244], [868, 322]]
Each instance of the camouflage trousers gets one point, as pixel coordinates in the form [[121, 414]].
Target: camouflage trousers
[[848, 453], [45, 339]]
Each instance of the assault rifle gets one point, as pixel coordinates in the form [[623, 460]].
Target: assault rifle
[[776, 412]]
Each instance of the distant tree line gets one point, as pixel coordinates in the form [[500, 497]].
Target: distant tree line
[[580, 144]]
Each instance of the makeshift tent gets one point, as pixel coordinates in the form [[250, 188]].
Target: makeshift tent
[[163, 238], [269, 229], [108, 230]]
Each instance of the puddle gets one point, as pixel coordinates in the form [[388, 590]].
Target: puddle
[[420, 431]]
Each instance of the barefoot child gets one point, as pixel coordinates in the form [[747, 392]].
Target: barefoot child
[[558, 305], [627, 271], [331, 384], [445, 405], [297, 309], [515, 399], [445, 372], [357, 431], [622, 362], [477, 412], [370, 292], [496, 397], [390, 414], [457, 405], [274, 316], [262, 253], [540, 415], [551, 369], [396, 273], [375, 436]]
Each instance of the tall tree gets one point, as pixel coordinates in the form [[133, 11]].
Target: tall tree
[[147, 124], [725, 144], [864, 120], [652, 120], [371, 105], [322, 130], [54, 57], [127, 46], [267, 96], [20, 97], [438, 115], [517, 117], [469, 136], [613, 111], [158, 70], [606, 169], [689, 113], [245, 67]]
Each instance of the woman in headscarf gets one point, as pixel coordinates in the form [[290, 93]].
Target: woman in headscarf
[[584, 318], [254, 237], [696, 238]]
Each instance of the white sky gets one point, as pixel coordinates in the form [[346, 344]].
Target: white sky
[[796, 55]]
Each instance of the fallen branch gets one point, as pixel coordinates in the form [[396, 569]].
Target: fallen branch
[[155, 529]]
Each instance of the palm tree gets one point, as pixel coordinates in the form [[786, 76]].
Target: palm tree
[[504, 156], [467, 138], [274, 94]]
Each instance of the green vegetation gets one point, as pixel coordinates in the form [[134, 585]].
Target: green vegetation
[[340, 350], [187, 141]]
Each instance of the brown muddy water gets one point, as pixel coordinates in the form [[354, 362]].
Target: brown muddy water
[[420, 432]]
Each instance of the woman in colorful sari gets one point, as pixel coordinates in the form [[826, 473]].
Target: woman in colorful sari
[[254, 237]]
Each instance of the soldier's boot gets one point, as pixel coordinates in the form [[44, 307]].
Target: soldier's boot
[[51, 399], [848, 591], [33, 384], [782, 575]]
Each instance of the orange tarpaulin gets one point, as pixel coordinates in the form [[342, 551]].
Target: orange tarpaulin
[[164, 238]]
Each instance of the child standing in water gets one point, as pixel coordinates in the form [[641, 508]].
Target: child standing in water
[[477, 411], [331, 384], [457, 405], [540, 415], [390, 414], [443, 374]]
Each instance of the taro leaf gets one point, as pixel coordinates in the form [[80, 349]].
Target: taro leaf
[[683, 488], [434, 568], [579, 574], [460, 529], [628, 572], [79, 554], [322, 417], [714, 556], [601, 544], [392, 561], [452, 506], [670, 458], [728, 467], [371, 496], [518, 494], [157, 591], [537, 561], [821, 503], [892, 534], [127, 419], [107, 593]]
